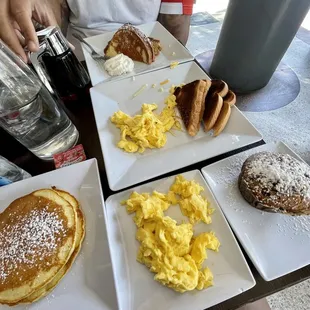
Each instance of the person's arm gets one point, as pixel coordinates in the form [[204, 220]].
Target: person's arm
[[16, 21], [61, 11], [175, 16]]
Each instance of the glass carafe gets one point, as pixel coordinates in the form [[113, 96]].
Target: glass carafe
[[29, 112]]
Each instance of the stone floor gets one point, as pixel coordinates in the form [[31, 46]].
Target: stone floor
[[289, 123]]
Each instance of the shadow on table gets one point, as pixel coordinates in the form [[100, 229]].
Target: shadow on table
[[282, 89]]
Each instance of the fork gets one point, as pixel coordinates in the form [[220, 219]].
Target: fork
[[95, 56]]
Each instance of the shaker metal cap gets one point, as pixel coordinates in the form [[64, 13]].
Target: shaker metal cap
[[55, 39]]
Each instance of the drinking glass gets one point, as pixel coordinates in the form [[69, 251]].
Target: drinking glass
[[29, 112]]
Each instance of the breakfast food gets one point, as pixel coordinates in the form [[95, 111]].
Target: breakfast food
[[131, 42], [213, 109], [167, 248], [80, 234], [146, 130], [219, 87], [40, 236], [217, 110], [194, 102], [156, 46], [118, 65], [192, 204], [190, 100], [276, 183], [222, 119], [205, 100], [230, 98]]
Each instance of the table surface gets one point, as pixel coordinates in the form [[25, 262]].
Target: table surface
[[81, 113]]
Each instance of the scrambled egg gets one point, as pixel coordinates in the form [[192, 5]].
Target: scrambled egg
[[192, 204], [205, 279], [146, 130], [167, 248], [200, 244], [147, 207], [174, 64]]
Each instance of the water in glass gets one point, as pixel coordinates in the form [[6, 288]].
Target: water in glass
[[29, 112]]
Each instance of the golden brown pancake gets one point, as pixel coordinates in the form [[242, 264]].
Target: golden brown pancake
[[37, 238], [80, 233]]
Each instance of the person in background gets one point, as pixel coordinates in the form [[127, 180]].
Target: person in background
[[19, 18]]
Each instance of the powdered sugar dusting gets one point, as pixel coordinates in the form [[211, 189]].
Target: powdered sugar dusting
[[31, 237], [277, 243], [280, 173], [294, 226], [226, 176], [229, 174]]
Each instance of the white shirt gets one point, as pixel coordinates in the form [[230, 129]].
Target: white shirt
[[97, 16]]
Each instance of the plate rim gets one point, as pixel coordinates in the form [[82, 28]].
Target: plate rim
[[83, 168], [114, 184], [275, 144], [190, 57], [251, 279]]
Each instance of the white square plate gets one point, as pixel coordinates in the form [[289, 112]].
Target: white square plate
[[172, 51], [89, 284], [124, 169], [137, 290], [276, 243]]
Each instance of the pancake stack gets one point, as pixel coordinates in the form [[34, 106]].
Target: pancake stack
[[40, 237]]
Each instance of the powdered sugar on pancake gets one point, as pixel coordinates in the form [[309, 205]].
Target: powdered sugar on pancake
[[33, 237]]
